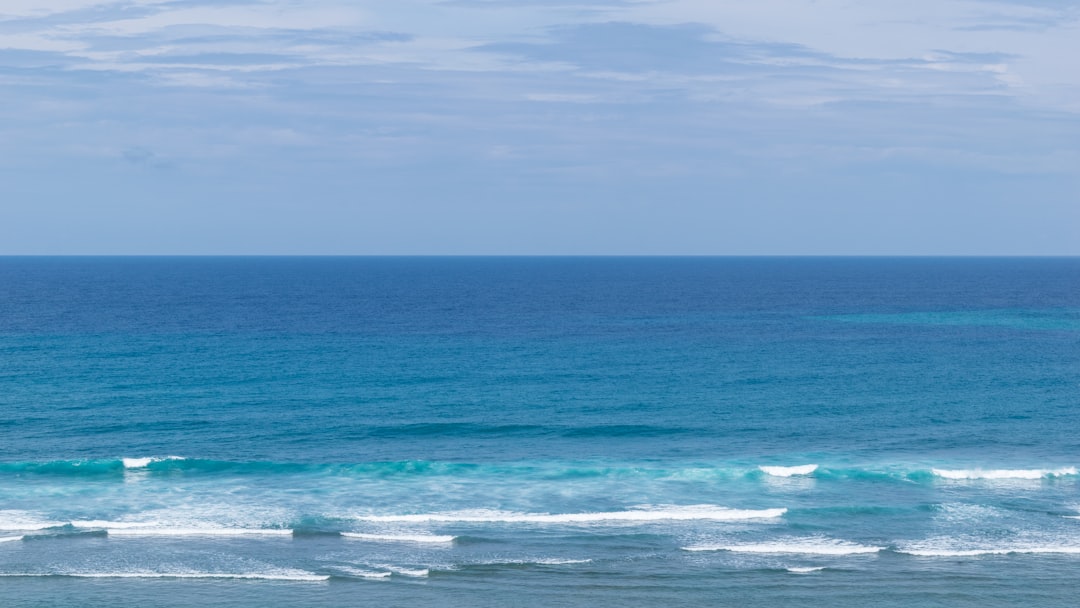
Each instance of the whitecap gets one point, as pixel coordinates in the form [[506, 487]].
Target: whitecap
[[11, 520], [959, 474], [954, 552], [411, 572], [803, 469], [126, 531], [105, 524], [9, 539], [793, 546], [551, 561], [405, 538], [537, 561], [685, 513], [282, 575], [142, 463], [805, 570], [363, 573]]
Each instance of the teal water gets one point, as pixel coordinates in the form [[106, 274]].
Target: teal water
[[539, 431]]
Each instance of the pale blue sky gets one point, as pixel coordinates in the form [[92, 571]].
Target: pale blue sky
[[539, 127]]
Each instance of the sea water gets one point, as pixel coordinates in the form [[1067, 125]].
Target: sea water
[[539, 431]]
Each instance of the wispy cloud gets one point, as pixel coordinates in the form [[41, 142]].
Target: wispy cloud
[[490, 106]]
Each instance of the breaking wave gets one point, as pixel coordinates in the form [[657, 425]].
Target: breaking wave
[[686, 513], [805, 469], [793, 546], [1003, 473], [401, 538]]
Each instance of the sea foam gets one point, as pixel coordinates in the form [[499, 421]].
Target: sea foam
[[125, 531], [274, 575], [539, 561], [410, 572], [22, 520], [687, 513], [267, 576], [949, 552], [804, 469], [1003, 473], [400, 538], [141, 463], [361, 573], [794, 546]]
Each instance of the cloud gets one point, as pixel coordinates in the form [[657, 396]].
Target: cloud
[[549, 117]]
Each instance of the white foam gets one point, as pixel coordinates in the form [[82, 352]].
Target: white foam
[[413, 572], [9, 539], [11, 520], [142, 463], [807, 570], [400, 538], [283, 575], [105, 524], [795, 546], [364, 573], [804, 469], [537, 561], [687, 513], [1003, 473], [1071, 516], [943, 552], [125, 531]]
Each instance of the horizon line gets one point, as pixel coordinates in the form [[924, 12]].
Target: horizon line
[[541, 255]]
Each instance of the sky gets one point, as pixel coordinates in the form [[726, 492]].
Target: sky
[[540, 127]]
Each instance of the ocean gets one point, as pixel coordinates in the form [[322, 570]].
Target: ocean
[[289, 431]]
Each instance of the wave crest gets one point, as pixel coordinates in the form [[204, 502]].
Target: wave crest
[[401, 538], [1003, 473], [1030, 550], [793, 546], [142, 463], [686, 513], [803, 469]]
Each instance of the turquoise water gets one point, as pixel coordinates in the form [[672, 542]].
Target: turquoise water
[[539, 431]]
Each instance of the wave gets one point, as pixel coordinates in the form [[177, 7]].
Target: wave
[[117, 467], [1003, 473], [125, 531], [795, 546], [536, 561], [1031, 550], [9, 539], [142, 463], [517, 563], [686, 513], [11, 520], [121, 468], [284, 575], [804, 469], [25, 522], [805, 570], [360, 573], [401, 538], [410, 572]]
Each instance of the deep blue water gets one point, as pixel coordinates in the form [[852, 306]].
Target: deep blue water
[[539, 431]]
